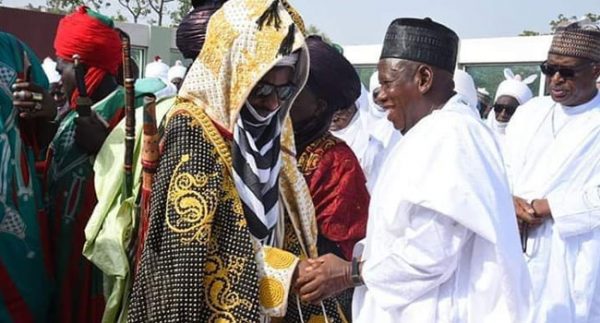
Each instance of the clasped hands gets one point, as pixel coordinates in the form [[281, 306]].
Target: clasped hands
[[532, 214], [321, 278]]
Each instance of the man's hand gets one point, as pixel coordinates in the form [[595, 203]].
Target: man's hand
[[541, 208], [525, 212], [90, 133], [33, 101], [327, 276]]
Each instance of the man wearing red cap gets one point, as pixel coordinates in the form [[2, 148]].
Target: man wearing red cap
[[70, 173], [71, 154]]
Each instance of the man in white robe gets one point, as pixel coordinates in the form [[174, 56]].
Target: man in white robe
[[441, 244], [553, 162]]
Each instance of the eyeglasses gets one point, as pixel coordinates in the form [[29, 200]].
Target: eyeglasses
[[563, 71], [509, 109], [284, 92]]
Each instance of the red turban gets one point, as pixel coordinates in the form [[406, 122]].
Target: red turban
[[93, 38]]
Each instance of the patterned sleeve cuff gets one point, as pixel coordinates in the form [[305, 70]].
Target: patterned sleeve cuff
[[275, 272]]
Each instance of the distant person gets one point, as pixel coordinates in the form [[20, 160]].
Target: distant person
[[177, 73], [513, 92], [485, 104]]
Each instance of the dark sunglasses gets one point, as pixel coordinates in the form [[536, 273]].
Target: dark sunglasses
[[284, 92], [510, 109], [563, 71]]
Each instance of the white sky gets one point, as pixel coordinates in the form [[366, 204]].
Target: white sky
[[364, 22]]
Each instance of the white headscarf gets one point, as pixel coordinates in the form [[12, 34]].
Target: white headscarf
[[177, 70], [464, 85], [516, 87], [49, 66], [157, 69]]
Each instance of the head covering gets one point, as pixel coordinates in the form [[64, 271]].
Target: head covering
[[245, 40], [91, 36], [421, 40], [157, 69], [49, 66], [192, 29], [515, 87], [578, 39], [177, 71], [465, 86], [331, 77]]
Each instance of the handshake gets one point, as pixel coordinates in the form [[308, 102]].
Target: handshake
[[321, 278]]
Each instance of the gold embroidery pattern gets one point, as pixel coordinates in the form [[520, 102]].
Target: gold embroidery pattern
[[271, 292], [195, 211], [311, 157], [278, 259], [218, 286]]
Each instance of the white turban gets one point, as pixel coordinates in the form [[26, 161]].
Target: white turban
[[157, 69], [465, 86], [515, 87], [49, 66], [177, 70]]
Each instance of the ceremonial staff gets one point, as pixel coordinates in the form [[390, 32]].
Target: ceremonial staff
[[128, 81]]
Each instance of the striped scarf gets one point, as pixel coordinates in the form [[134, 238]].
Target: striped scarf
[[256, 166]]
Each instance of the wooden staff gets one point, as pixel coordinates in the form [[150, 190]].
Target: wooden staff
[[128, 81], [150, 156]]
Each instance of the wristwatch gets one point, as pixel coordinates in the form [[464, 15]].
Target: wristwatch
[[355, 274]]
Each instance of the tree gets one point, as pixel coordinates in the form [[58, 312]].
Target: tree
[[529, 33], [313, 30], [136, 8], [67, 6], [561, 19], [183, 8], [159, 7]]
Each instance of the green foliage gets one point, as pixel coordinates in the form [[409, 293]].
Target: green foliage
[[561, 19], [313, 30], [183, 8]]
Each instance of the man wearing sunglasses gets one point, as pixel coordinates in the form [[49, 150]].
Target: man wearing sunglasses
[[553, 160], [511, 93]]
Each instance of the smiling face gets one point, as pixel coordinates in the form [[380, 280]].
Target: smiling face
[[399, 92], [575, 90]]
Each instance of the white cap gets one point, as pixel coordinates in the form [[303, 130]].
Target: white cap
[[515, 87], [49, 66], [177, 70], [157, 69], [465, 86]]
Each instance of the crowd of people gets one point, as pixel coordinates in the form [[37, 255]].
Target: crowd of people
[[268, 184]]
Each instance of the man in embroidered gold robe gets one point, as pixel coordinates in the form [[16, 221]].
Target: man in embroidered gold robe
[[231, 216]]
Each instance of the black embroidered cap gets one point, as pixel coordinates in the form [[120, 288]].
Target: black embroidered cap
[[421, 40]]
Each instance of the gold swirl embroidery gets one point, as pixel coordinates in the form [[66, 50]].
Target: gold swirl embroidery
[[193, 203], [220, 278]]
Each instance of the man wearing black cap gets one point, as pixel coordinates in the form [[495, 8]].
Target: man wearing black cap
[[553, 162], [441, 243]]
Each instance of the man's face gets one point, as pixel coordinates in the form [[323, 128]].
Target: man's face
[[276, 79], [57, 92], [305, 107], [341, 118], [572, 90], [505, 107], [398, 92], [67, 73]]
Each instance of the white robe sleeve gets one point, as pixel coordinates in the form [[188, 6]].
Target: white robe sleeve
[[575, 212], [418, 261]]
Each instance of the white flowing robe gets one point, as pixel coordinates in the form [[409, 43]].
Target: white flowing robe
[[442, 242], [553, 152]]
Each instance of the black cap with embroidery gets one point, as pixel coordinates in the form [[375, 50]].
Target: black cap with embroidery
[[421, 40]]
